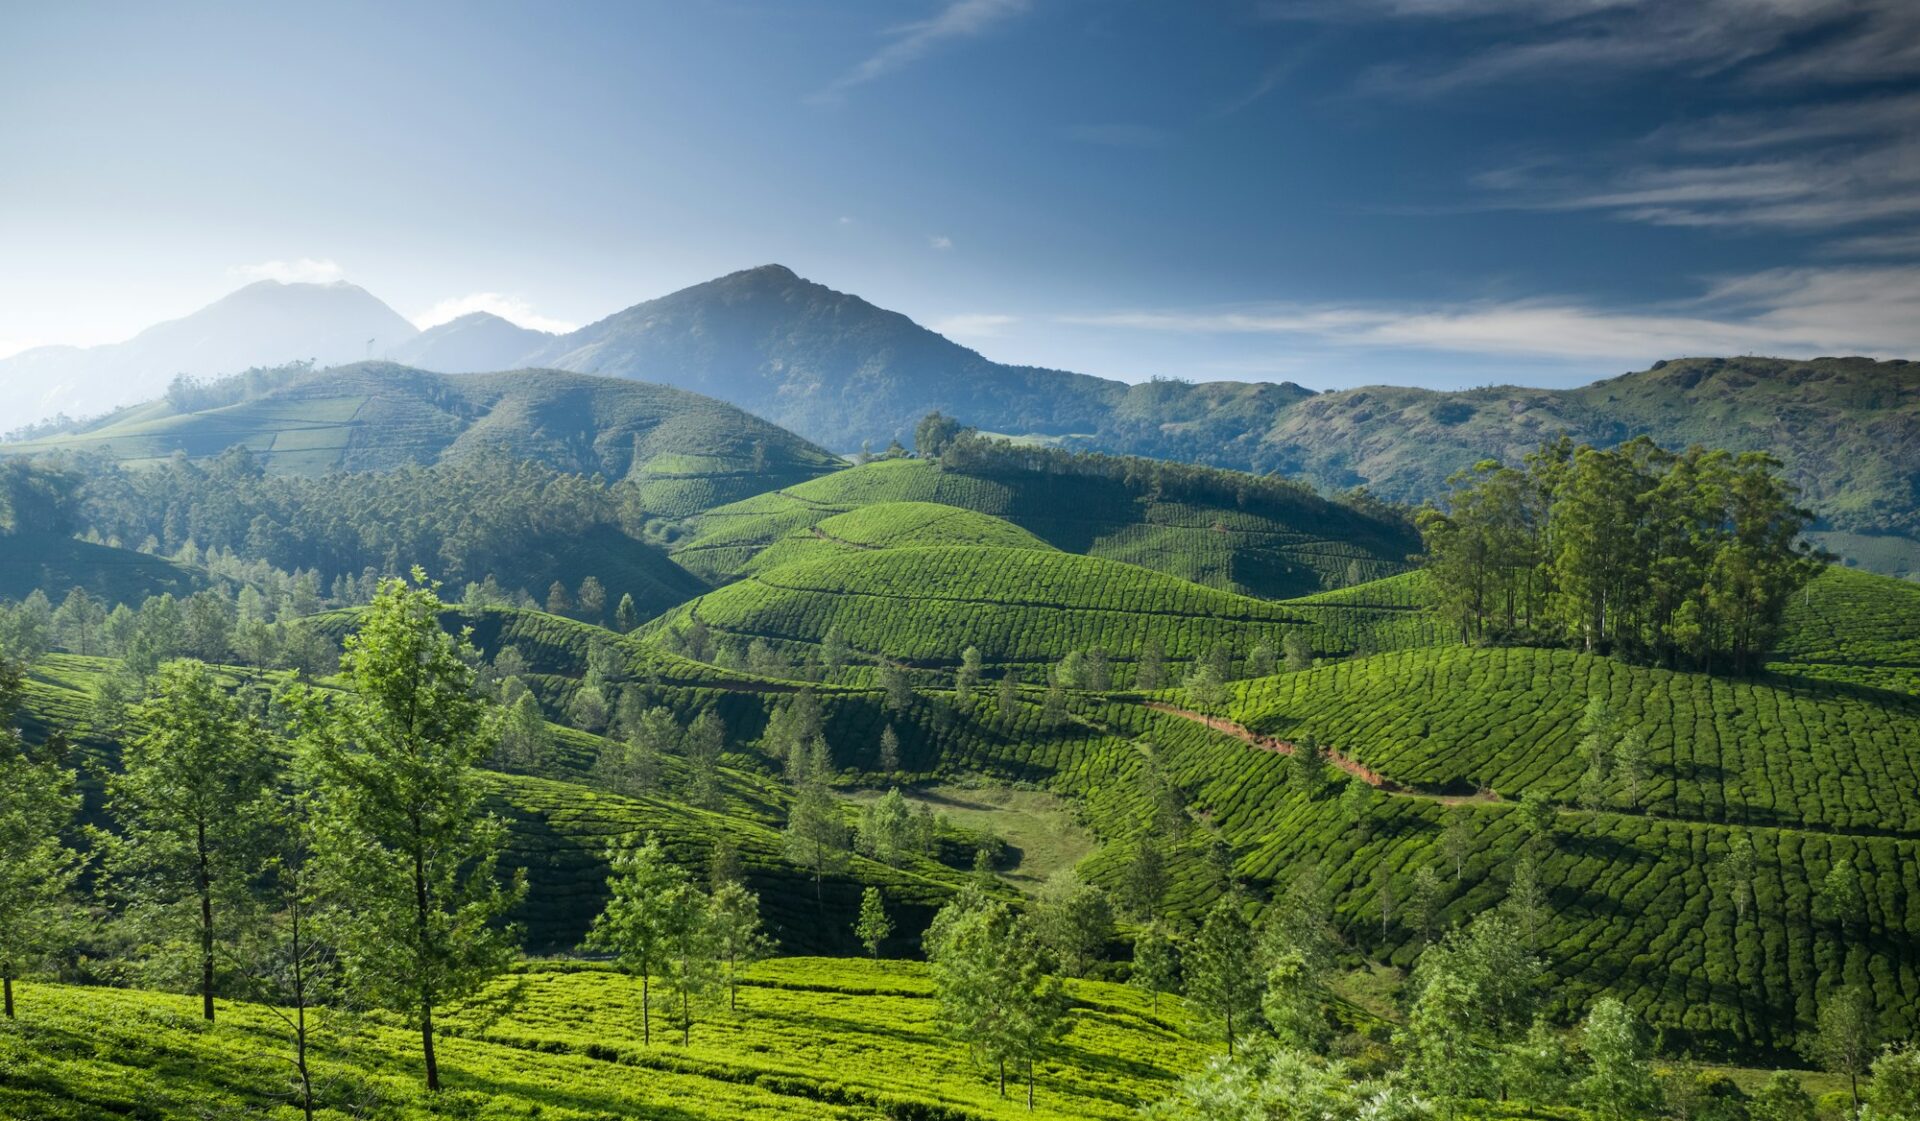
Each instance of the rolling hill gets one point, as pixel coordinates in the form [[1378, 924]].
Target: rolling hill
[[688, 451]]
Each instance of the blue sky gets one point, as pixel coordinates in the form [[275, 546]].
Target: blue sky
[[1334, 192]]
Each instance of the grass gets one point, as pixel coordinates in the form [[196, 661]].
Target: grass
[[1039, 829], [815, 1038]]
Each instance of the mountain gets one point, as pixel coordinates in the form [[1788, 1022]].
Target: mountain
[[690, 452], [264, 324], [472, 344], [828, 365]]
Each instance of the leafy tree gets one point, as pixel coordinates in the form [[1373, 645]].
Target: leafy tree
[[873, 927], [1206, 689], [1146, 879], [933, 433], [1444, 1052], [690, 960], [994, 994], [705, 739], [1098, 674], [1423, 901], [1619, 1081], [1456, 840], [1261, 662], [626, 616], [1843, 1038], [79, 622], [524, 740], [816, 837], [1073, 921], [192, 801], [38, 800], [592, 600], [1150, 672], [1894, 1092], [885, 830], [1156, 962], [967, 678], [1842, 898], [1297, 652], [638, 924], [1071, 673], [1053, 710], [733, 922], [634, 768], [399, 810], [1527, 905], [889, 750], [1281, 1083], [898, 690], [1539, 1068], [1294, 1003], [833, 649], [1309, 766], [1537, 817], [1782, 1098], [558, 601], [1223, 973], [1007, 698], [1737, 870]]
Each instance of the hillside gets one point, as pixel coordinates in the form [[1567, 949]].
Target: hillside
[[1278, 544], [689, 451], [475, 343], [264, 324], [813, 1039], [57, 564]]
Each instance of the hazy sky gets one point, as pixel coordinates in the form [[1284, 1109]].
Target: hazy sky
[[1328, 191]]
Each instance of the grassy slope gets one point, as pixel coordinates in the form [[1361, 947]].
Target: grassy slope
[[689, 452], [813, 1039], [1274, 553], [56, 564]]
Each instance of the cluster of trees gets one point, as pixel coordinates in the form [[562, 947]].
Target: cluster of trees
[[1687, 558], [336, 855]]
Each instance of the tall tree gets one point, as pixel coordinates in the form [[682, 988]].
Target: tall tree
[[1156, 962], [637, 925], [816, 835], [1843, 1039], [192, 801], [1073, 921], [967, 678], [873, 927], [38, 800], [1223, 972], [1619, 1082], [394, 757], [733, 921]]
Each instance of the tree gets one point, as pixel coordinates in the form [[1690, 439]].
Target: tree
[[733, 923], [558, 601], [593, 600], [889, 750], [1223, 974], [1156, 962], [524, 740], [898, 690], [833, 650], [1297, 652], [1632, 761], [1206, 690], [634, 768], [816, 837], [1073, 922], [1309, 766], [38, 800], [637, 924], [1456, 840], [1619, 1082], [192, 801], [1097, 672], [292, 968], [1843, 1038], [1261, 662], [1527, 905], [873, 927], [1537, 816], [1294, 1004], [1782, 1098], [1007, 698], [690, 960], [885, 830], [79, 622], [1151, 670], [1423, 901], [934, 432], [967, 678], [1894, 1092], [626, 616], [403, 831], [705, 739], [1443, 1053], [1842, 899], [993, 991], [1146, 878], [1053, 710], [1737, 870]]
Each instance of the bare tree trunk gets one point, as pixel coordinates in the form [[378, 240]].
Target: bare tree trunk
[[6, 982], [646, 1011], [206, 928], [426, 991], [426, 1046]]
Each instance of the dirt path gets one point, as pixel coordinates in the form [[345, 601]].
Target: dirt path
[[1357, 769]]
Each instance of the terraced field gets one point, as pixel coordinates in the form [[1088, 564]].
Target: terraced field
[[30, 561], [1274, 553], [814, 1038], [1019, 606]]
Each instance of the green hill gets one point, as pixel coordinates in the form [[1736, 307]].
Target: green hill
[[1275, 542], [54, 564], [1019, 606], [813, 1039], [688, 451]]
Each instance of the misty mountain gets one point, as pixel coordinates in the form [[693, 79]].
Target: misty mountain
[[264, 324], [476, 343]]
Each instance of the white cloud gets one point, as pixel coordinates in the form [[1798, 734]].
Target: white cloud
[[306, 270], [960, 19], [510, 308], [939, 241], [1873, 311], [973, 325], [843, 220]]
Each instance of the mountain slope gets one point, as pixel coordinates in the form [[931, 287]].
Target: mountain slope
[[376, 415], [264, 324], [472, 344]]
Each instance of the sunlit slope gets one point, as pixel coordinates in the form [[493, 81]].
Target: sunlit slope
[[927, 605], [1276, 550], [813, 1039]]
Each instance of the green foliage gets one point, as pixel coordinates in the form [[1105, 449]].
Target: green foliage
[[874, 927], [1619, 1081], [410, 851], [1222, 970], [1277, 1082], [38, 801]]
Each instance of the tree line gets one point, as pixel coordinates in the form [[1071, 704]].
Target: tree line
[[1686, 558]]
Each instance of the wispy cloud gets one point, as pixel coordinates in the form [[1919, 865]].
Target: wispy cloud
[[305, 270], [510, 308], [940, 241], [974, 325], [1872, 311], [959, 19]]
